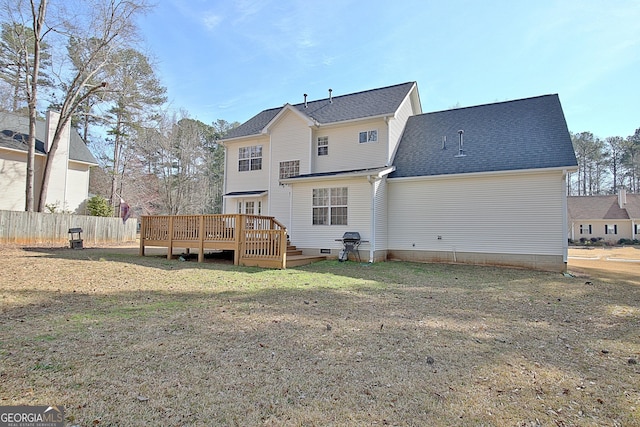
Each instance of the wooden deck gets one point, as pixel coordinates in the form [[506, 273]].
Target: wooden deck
[[255, 240]]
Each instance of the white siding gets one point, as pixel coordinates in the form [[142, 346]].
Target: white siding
[[77, 186], [380, 207], [510, 214], [290, 140], [345, 150], [13, 173], [396, 126], [247, 180], [305, 235]]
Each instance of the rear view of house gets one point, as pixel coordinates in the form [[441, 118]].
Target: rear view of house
[[483, 185]]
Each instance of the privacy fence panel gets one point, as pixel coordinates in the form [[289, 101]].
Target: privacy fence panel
[[31, 228]]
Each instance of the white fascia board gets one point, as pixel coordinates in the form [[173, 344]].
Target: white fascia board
[[288, 107], [361, 119], [82, 162], [245, 196], [562, 169]]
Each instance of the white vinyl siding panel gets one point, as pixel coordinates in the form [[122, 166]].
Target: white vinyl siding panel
[[396, 126], [290, 140], [77, 186], [510, 214], [247, 180], [380, 206], [345, 150], [13, 173], [306, 235]]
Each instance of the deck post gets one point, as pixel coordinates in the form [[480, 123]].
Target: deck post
[[170, 236], [239, 239], [201, 235], [283, 248]]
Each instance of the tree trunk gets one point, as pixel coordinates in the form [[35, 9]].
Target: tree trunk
[[32, 93]]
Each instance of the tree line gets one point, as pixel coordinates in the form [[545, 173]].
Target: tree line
[[605, 165], [84, 59]]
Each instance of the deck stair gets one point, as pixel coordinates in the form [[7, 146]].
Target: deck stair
[[295, 257]]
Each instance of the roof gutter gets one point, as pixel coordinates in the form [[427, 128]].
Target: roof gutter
[[365, 174]]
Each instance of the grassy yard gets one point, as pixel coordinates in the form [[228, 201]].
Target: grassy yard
[[129, 341]]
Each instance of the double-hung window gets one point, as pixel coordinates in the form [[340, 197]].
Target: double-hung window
[[330, 206], [323, 145], [368, 136], [289, 168], [611, 229], [585, 228], [250, 158]]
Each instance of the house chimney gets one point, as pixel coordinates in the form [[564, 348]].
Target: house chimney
[[330, 97], [622, 198], [305, 100]]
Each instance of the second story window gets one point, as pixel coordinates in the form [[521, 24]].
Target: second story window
[[368, 136], [250, 158], [289, 168], [323, 145]]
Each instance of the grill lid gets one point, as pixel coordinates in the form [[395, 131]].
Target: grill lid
[[351, 235]]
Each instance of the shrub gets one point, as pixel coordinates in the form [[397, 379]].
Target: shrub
[[99, 206]]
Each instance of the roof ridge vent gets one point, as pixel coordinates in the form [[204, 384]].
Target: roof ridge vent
[[460, 144]]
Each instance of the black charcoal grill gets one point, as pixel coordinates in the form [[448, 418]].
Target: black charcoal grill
[[350, 242]]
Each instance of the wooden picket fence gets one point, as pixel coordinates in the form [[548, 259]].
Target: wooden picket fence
[[36, 228]]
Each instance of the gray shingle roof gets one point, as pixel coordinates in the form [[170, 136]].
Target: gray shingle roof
[[14, 132], [602, 207], [370, 103], [514, 135]]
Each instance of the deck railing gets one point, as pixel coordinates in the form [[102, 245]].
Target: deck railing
[[256, 240]]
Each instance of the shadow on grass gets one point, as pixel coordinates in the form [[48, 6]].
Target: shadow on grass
[[401, 343]]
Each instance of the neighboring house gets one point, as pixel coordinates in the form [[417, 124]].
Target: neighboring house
[[609, 218], [482, 184], [69, 183]]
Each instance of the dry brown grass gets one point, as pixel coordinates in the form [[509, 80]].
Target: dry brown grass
[[129, 341]]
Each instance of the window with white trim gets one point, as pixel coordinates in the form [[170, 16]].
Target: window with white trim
[[323, 145], [289, 168], [585, 229], [250, 158], [611, 229], [330, 206], [368, 136]]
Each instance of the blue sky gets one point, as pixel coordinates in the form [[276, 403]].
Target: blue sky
[[229, 60]]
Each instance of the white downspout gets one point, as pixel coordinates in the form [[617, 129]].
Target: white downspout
[[372, 232], [224, 180], [565, 219]]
